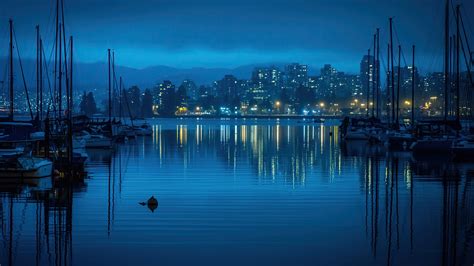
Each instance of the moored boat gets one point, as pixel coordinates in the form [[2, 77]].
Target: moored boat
[[143, 130], [433, 146], [463, 148], [435, 137], [25, 167], [93, 140], [397, 140], [98, 141]]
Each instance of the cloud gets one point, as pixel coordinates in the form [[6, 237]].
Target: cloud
[[226, 33]]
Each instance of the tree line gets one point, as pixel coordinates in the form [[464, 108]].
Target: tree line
[[129, 103]]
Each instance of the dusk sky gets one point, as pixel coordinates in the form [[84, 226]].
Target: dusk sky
[[210, 33]]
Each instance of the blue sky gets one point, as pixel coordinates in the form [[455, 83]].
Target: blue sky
[[229, 33]]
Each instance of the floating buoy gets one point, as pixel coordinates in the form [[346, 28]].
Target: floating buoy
[[151, 203]]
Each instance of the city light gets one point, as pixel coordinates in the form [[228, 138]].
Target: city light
[[260, 93]]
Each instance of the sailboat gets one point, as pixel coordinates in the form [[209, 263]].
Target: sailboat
[[25, 167], [403, 137], [94, 140], [143, 130], [463, 146], [438, 137], [16, 137]]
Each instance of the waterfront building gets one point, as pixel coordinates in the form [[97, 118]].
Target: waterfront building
[[296, 75]]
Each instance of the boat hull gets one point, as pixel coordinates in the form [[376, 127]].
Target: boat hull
[[98, 143], [43, 170], [357, 135], [432, 146], [463, 151], [400, 142]]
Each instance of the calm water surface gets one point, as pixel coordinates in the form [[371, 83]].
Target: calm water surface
[[235, 192]]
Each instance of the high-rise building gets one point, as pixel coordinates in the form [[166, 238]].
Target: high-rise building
[[162, 91], [406, 83], [314, 85], [355, 86], [296, 75], [228, 87], [191, 89], [433, 89], [368, 74], [265, 84], [328, 82]]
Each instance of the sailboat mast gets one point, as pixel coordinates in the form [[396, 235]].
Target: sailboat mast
[[368, 82], [11, 70], [41, 79], [446, 60], [458, 73], [392, 69], [374, 66], [56, 53], [378, 73], [70, 102], [121, 96], [37, 70], [398, 83], [70, 99], [114, 86], [60, 68], [390, 118], [413, 88], [110, 89]]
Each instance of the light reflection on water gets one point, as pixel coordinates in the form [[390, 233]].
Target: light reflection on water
[[244, 192]]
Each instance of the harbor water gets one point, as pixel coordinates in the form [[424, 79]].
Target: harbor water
[[244, 192]]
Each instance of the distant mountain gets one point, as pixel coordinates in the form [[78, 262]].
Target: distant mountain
[[148, 77], [89, 76]]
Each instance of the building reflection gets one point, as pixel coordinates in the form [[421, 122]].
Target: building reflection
[[397, 188], [275, 152]]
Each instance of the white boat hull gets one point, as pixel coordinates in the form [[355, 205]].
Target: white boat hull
[[39, 170], [99, 143]]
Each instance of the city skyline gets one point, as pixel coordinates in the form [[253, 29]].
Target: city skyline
[[290, 89], [215, 34], [265, 83]]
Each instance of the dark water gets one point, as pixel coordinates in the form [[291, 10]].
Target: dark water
[[245, 193]]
